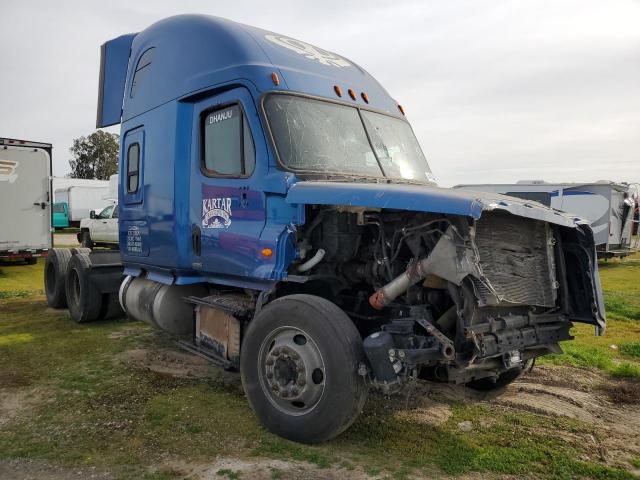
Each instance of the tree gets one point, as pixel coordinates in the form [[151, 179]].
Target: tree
[[95, 156]]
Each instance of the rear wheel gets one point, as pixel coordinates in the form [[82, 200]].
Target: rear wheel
[[83, 298], [299, 365], [85, 240], [55, 272]]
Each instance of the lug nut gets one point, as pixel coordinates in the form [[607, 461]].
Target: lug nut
[[269, 375], [275, 387], [294, 391], [284, 394], [269, 361]]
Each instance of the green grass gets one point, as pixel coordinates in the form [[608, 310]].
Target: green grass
[[97, 412], [613, 352], [632, 349]]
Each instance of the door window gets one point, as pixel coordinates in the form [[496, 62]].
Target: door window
[[228, 148], [106, 212], [133, 167]]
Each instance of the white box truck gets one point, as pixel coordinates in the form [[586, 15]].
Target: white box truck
[[25, 199], [82, 199]]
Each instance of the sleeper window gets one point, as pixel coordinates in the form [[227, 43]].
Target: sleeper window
[[133, 167], [228, 146], [142, 70]]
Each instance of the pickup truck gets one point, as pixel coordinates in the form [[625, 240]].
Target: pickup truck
[[278, 214], [100, 229]]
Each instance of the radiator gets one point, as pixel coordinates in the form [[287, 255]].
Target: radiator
[[516, 259]]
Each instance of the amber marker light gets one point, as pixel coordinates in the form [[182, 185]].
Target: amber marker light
[[266, 252], [352, 94], [365, 97], [338, 90], [275, 79], [401, 109]]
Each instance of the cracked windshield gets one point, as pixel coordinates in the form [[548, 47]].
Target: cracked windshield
[[317, 136]]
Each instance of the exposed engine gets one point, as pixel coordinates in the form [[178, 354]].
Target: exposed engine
[[446, 297]]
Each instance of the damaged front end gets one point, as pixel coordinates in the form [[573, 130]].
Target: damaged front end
[[445, 285], [516, 284]]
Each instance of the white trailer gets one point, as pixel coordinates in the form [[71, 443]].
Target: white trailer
[[25, 199], [82, 199], [608, 206], [63, 183]]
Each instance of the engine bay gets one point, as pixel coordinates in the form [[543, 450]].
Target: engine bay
[[444, 297]]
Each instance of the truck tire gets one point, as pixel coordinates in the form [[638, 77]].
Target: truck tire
[[504, 379], [76, 250], [299, 364], [111, 307], [83, 298], [55, 272], [85, 240]]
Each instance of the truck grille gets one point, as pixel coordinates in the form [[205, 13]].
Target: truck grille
[[516, 258]]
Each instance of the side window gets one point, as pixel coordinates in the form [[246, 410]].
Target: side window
[[106, 212], [228, 148], [142, 70], [133, 167]]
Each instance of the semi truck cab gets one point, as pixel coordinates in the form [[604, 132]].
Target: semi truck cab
[[276, 210]]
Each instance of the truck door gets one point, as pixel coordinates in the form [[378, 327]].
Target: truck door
[[227, 205], [25, 208], [111, 234], [100, 231]]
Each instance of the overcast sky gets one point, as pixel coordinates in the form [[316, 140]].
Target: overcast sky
[[496, 91]]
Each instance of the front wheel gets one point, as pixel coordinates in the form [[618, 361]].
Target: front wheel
[[299, 365], [504, 379]]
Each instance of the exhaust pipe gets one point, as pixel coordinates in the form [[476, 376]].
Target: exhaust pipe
[[443, 261]]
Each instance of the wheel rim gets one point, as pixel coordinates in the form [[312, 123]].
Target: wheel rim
[[291, 370]]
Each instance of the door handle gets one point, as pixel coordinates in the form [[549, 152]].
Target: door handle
[[42, 205], [196, 240], [104, 221], [244, 200]]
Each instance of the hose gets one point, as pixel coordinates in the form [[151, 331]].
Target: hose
[[313, 261]]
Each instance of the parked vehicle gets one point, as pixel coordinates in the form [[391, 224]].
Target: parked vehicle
[[608, 206], [80, 200], [276, 209], [25, 199], [61, 185], [100, 229], [60, 215]]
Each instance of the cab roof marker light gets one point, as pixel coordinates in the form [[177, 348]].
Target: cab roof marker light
[[365, 97], [338, 90], [352, 94], [275, 79], [401, 110]]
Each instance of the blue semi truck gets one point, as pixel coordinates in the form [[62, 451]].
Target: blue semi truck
[[278, 213]]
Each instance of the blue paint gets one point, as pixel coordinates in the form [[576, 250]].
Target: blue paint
[[113, 71]]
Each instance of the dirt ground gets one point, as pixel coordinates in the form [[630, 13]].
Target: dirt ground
[[611, 405]]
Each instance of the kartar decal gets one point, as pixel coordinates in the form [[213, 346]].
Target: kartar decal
[[216, 212], [309, 51]]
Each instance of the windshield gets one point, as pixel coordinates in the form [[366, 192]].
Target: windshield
[[317, 136]]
